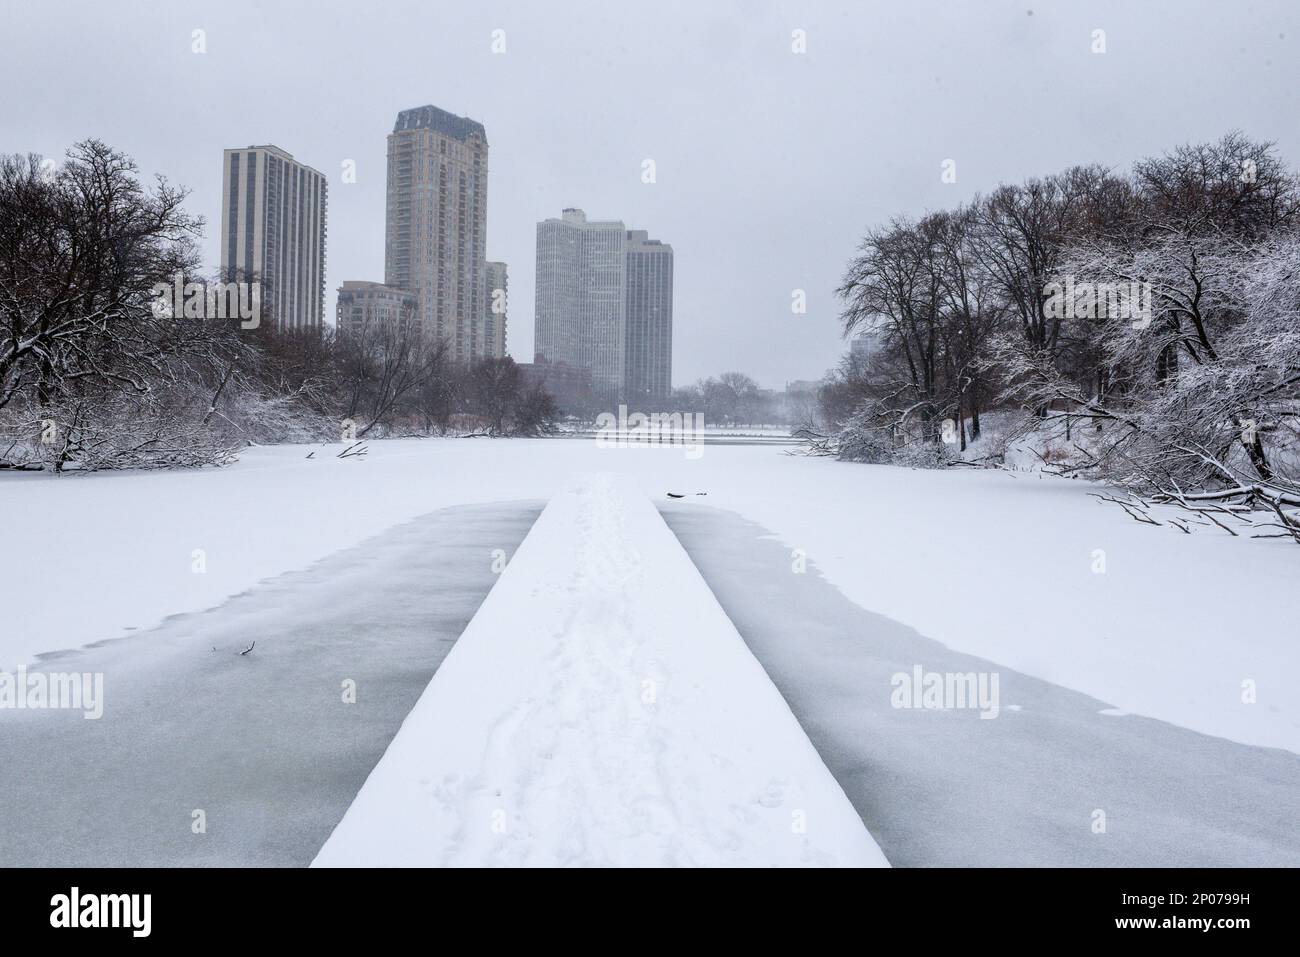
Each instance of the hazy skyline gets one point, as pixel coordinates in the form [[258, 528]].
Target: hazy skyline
[[770, 164]]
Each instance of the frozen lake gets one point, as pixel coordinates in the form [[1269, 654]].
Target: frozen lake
[[949, 788], [263, 744]]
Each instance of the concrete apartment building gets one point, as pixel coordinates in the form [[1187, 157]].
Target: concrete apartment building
[[866, 344], [581, 285], [273, 229], [436, 226], [363, 303], [497, 316], [648, 351], [590, 315]]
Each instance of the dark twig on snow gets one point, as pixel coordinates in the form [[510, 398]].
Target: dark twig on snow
[[1136, 509]]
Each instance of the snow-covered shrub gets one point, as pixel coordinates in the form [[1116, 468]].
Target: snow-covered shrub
[[109, 431], [860, 440], [923, 455], [249, 417]]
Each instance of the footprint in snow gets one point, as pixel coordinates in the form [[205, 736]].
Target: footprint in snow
[[774, 795]]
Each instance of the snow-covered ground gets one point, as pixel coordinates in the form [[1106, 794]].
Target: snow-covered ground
[[1004, 566], [600, 709]]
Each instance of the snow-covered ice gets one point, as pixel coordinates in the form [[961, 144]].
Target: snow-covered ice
[[271, 746], [993, 564], [600, 709], [949, 788]]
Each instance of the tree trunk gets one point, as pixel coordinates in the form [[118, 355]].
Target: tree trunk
[[1258, 458]]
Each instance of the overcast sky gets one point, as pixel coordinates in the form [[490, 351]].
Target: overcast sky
[[770, 164]]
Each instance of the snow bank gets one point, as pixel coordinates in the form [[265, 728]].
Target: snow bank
[[600, 709]]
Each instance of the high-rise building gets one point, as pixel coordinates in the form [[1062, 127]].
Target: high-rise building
[[436, 235], [273, 212], [497, 300], [362, 303], [568, 385], [865, 345], [594, 314], [555, 298], [649, 318]]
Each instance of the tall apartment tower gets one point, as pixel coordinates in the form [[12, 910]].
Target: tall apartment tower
[[273, 212], [604, 304], [497, 300], [649, 310], [436, 233], [581, 288]]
